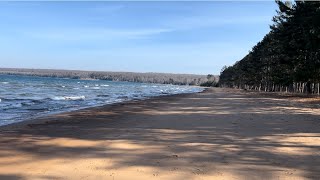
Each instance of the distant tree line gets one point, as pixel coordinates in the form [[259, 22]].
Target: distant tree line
[[212, 81], [288, 57], [161, 78]]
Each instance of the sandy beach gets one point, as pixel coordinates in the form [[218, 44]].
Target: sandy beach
[[216, 134]]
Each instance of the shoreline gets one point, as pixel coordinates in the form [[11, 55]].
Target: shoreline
[[45, 118], [215, 134]]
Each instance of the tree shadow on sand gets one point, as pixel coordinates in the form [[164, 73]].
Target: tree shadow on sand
[[216, 132]]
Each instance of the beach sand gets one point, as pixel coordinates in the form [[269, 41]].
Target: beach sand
[[217, 134]]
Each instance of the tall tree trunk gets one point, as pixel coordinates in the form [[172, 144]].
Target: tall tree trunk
[[308, 87]]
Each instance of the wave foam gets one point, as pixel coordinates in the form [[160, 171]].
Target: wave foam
[[72, 98]]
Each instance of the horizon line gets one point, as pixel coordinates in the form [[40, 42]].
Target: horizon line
[[13, 68]]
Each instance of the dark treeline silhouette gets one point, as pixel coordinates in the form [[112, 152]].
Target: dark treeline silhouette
[[288, 57], [161, 78], [212, 81]]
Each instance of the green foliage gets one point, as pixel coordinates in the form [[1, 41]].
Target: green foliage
[[209, 84], [211, 81], [287, 58]]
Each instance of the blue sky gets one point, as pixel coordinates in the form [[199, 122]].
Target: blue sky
[[174, 37]]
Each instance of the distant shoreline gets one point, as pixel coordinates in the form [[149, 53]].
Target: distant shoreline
[[160, 78]]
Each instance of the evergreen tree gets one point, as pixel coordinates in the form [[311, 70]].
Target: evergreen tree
[[287, 58]]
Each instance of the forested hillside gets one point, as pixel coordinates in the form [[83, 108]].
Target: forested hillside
[[287, 58], [162, 78]]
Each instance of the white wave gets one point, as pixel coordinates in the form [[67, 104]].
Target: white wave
[[86, 86], [95, 88], [72, 98], [104, 85], [58, 98], [75, 97], [92, 103], [5, 82]]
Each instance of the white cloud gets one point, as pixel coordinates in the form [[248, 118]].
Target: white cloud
[[87, 34], [209, 21], [74, 34]]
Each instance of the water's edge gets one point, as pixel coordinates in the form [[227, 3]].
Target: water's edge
[[23, 97], [53, 116]]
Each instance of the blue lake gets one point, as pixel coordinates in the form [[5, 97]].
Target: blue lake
[[25, 97]]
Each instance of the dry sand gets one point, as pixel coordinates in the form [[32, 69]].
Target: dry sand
[[218, 134]]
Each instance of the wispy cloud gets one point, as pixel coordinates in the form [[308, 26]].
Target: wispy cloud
[[197, 22], [107, 8], [99, 33], [193, 37], [87, 34]]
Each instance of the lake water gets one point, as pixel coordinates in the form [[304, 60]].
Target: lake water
[[26, 97]]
